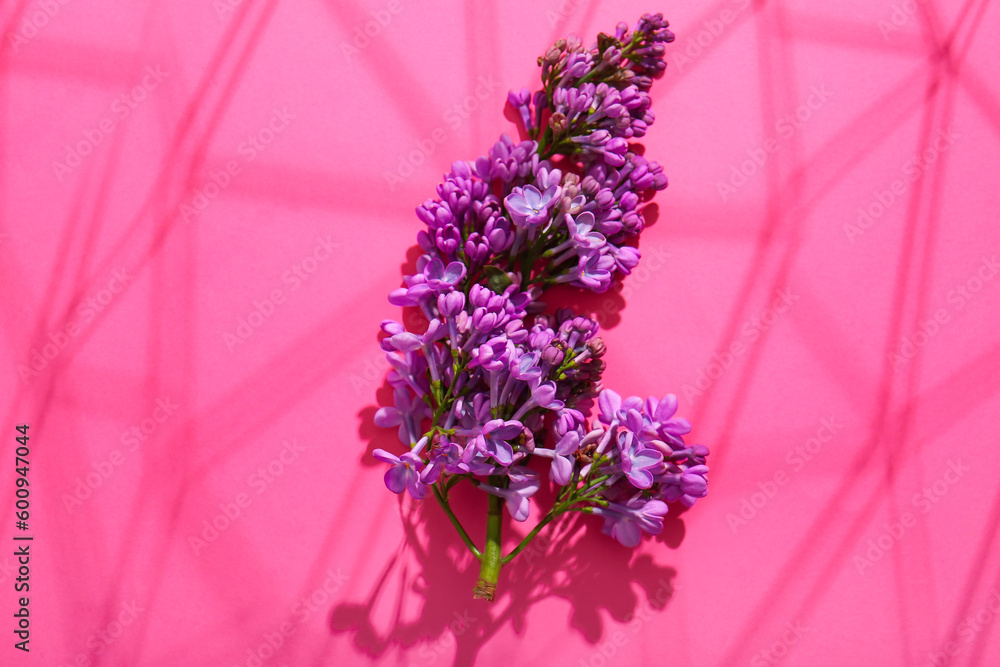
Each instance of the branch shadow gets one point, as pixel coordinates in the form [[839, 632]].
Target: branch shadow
[[432, 573], [427, 567]]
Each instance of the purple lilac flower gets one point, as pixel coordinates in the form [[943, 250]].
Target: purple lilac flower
[[661, 418], [686, 485], [494, 440], [627, 522], [406, 413], [445, 456], [404, 473], [441, 278], [561, 469], [523, 484], [638, 462], [528, 207]]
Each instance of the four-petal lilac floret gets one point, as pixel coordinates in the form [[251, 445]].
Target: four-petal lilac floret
[[638, 463], [529, 207], [494, 440], [441, 278], [404, 473], [562, 457]]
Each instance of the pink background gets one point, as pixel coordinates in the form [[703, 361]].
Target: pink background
[[764, 305]]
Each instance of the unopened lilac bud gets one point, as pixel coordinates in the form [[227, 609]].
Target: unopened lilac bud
[[612, 56], [605, 198], [597, 348], [570, 189], [629, 201], [553, 355], [557, 122], [623, 76], [540, 337], [476, 250], [632, 222], [516, 332], [525, 441], [451, 304], [392, 327], [590, 186], [479, 295], [461, 169]]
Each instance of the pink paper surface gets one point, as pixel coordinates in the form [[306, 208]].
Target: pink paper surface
[[198, 229]]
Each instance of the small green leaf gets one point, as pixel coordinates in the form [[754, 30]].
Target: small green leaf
[[496, 279]]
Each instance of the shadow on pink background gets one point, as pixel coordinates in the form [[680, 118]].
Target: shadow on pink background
[[203, 206]]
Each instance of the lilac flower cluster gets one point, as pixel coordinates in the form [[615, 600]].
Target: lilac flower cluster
[[492, 383], [597, 98], [546, 226], [503, 380]]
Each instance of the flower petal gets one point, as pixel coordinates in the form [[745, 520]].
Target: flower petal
[[609, 402], [395, 479], [387, 417], [561, 471], [387, 457], [626, 532]]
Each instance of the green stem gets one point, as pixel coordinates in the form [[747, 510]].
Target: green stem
[[454, 520], [489, 571], [530, 536]]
